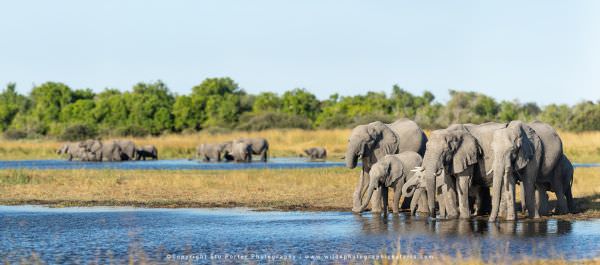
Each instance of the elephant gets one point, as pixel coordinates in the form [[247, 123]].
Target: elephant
[[315, 153], [371, 142], [258, 146], [453, 156], [99, 151], [72, 150], [210, 152], [128, 149], [241, 151], [391, 171], [561, 184], [528, 153], [146, 151]]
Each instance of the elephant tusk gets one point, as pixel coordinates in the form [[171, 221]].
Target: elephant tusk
[[489, 172]]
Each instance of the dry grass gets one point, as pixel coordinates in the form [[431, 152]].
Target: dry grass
[[285, 189], [580, 147], [301, 189]]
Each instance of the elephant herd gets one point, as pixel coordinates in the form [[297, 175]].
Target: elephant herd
[[465, 170], [117, 150], [239, 150]]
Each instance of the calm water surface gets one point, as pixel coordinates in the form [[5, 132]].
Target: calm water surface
[[182, 164], [105, 233]]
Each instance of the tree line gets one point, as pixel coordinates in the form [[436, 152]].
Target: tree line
[[218, 104]]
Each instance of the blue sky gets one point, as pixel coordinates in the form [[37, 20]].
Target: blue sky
[[542, 51]]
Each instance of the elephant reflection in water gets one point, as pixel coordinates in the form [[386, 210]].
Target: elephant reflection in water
[[530, 229]]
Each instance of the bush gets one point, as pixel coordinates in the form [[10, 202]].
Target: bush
[[269, 120], [371, 118], [14, 134], [78, 132], [132, 130]]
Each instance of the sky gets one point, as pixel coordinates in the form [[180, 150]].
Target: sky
[[541, 51]]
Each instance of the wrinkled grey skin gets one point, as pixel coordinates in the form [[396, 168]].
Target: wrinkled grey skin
[[128, 149], [258, 146], [210, 152], [551, 163], [371, 142], [315, 153], [561, 184], [98, 151], [522, 153], [415, 188], [391, 172], [146, 151], [452, 155], [71, 150], [241, 151]]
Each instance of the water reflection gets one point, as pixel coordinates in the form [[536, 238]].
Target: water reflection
[[409, 225]]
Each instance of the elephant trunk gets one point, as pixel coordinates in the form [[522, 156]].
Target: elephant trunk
[[500, 173], [431, 193], [352, 155], [372, 186], [408, 189]]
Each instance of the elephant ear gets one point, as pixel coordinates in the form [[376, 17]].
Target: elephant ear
[[386, 141], [394, 170], [467, 152], [525, 151]]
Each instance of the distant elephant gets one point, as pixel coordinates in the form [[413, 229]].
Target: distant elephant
[[520, 154], [259, 146], [371, 142], [99, 151], [315, 153], [391, 171], [72, 150], [241, 151], [210, 152], [128, 149], [146, 151]]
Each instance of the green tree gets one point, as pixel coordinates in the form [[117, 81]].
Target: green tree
[[11, 103], [300, 102]]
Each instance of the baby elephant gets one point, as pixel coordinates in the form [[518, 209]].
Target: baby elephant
[[391, 171], [146, 151], [316, 153]]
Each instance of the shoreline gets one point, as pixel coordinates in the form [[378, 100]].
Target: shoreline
[[588, 215]]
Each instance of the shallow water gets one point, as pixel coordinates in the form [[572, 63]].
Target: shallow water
[[100, 233], [165, 164], [182, 164]]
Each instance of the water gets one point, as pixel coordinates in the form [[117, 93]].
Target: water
[[69, 235], [181, 164]]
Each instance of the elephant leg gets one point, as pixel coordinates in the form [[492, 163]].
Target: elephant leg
[[462, 187], [450, 200], [358, 191], [510, 199], [529, 183], [397, 194], [569, 197], [376, 205], [541, 197], [384, 199], [422, 205], [416, 198], [263, 156], [561, 200], [523, 206], [442, 202], [502, 208]]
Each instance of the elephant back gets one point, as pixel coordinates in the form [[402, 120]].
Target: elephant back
[[552, 146], [411, 137]]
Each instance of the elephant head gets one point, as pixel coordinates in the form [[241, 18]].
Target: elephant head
[[370, 142], [63, 149], [513, 150], [448, 152], [383, 174]]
